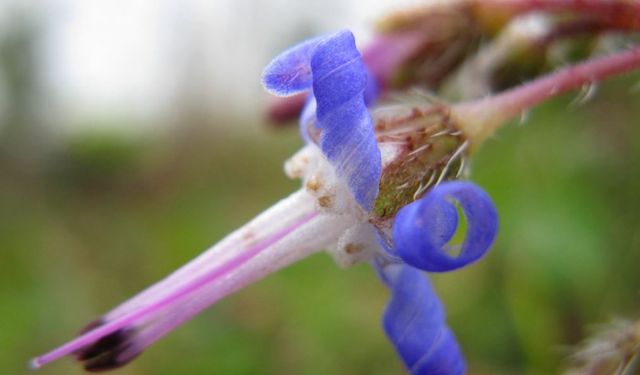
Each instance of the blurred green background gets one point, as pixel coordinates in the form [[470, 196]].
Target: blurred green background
[[92, 216]]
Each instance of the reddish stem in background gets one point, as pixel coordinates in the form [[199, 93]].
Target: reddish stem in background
[[572, 28], [480, 118], [623, 14], [281, 110]]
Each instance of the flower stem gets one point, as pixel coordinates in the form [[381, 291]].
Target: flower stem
[[478, 119], [279, 216], [247, 255]]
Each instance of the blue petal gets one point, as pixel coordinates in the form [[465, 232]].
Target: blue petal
[[342, 88], [308, 113], [290, 72], [423, 228], [347, 137], [414, 321], [445, 358], [371, 91], [442, 223], [307, 118]]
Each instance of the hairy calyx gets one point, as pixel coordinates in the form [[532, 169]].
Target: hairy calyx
[[429, 149]]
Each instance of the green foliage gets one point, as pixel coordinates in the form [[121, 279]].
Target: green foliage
[[566, 256]]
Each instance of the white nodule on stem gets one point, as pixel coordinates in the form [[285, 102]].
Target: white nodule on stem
[[285, 233], [331, 193], [356, 245], [298, 165]]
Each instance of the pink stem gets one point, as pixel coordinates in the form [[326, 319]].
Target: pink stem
[[483, 116], [592, 6], [623, 13], [135, 315]]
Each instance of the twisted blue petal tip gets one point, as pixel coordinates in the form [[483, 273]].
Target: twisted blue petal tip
[[341, 89], [290, 73], [414, 322], [347, 136], [423, 228], [308, 113]]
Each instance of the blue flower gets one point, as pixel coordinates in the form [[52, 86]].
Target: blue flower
[[414, 321], [343, 168]]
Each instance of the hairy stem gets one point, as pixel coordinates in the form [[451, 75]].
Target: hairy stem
[[480, 118]]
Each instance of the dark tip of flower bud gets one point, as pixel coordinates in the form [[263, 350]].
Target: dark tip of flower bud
[[91, 326], [108, 353]]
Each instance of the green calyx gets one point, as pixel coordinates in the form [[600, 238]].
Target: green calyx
[[432, 150]]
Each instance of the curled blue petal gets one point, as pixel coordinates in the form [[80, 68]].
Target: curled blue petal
[[414, 322], [342, 88], [423, 228], [290, 72], [308, 113], [347, 137], [443, 223]]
